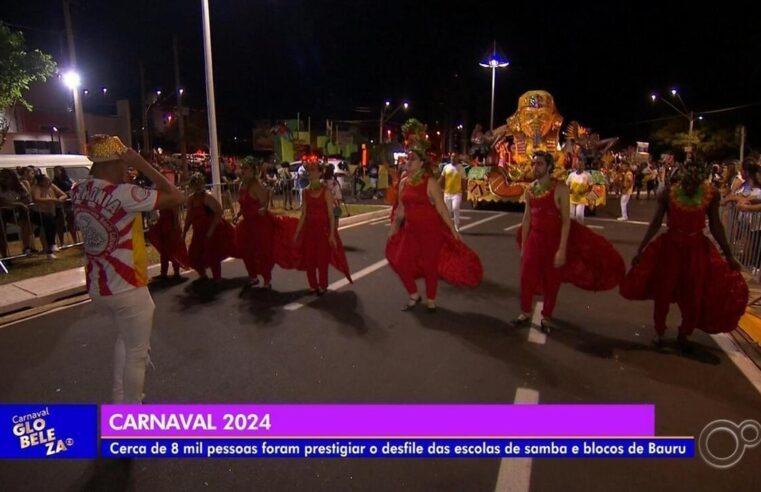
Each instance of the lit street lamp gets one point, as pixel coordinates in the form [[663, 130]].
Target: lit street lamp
[[72, 80], [689, 115], [493, 62], [384, 118]]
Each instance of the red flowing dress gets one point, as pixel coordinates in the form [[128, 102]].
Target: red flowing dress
[[682, 265], [208, 252], [313, 253], [592, 263], [166, 237], [425, 247], [255, 237]]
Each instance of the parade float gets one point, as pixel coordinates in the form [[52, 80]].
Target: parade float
[[535, 126]]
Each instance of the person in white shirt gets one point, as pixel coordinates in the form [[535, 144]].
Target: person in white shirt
[[579, 184], [452, 176], [107, 211]]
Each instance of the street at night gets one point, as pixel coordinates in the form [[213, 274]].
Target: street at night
[[354, 345]]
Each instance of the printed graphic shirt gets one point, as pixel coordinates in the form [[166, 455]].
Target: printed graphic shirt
[[109, 217]]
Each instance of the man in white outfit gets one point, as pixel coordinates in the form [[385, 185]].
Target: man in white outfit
[[108, 211], [579, 184], [627, 188], [452, 176]]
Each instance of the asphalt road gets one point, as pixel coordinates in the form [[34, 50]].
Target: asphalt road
[[354, 345]]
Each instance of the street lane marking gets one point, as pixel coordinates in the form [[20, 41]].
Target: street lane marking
[[479, 222], [742, 361], [513, 227], [515, 473], [337, 285], [536, 335], [595, 227], [636, 222], [293, 306]]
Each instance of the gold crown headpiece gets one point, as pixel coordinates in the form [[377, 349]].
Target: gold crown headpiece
[[106, 148]]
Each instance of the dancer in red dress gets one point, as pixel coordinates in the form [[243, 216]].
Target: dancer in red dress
[[423, 241], [166, 237], [683, 266], [317, 242], [255, 234], [555, 249], [213, 236]]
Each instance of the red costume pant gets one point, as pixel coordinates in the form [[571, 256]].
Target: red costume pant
[[538, 273], [320, 272], [421, 249]]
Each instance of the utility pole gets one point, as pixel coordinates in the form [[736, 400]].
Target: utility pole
[[79, 114], [180, 111], [144, 109], [210, 103]]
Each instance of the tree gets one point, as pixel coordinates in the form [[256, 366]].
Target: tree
[[712, 142], [18, 69]]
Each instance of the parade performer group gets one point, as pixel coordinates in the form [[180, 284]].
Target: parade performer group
[[682, 265], [555, 249]]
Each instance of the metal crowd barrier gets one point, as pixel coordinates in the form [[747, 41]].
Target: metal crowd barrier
[[22, 231], [744, 235]]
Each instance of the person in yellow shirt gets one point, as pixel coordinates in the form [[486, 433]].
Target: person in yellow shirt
[[452, 176], [579, 184], [627, 189]]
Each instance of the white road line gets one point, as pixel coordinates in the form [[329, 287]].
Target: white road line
[[293, 306], [535, 335], [595, 226], [513, 227], [736, 355], [384, 220], [474, 224], [515, 473], [636, 222], [337, 285]]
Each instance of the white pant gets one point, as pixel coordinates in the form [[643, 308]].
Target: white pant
[[577, 212], [453, 201], [625, 205], [132, 314]]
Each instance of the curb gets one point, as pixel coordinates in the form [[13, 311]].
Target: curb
[[20, 299]]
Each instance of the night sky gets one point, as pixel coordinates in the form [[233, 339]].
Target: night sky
[[274, 58]]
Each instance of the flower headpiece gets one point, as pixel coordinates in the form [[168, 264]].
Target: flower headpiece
[[414, 137]]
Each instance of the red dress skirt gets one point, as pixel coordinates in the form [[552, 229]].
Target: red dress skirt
[[166, 237], [682, 265], [205, 252], [424, 238], [255, 236], [592, 262], [313, 247]]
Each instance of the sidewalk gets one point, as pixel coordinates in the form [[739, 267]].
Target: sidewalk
[[47, 289]]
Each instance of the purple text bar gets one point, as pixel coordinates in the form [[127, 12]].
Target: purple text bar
[[377, 420]]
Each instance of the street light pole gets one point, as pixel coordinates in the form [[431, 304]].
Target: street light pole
[[690, 115], [212, 114], [384, 118], [79, 114], [494, 63], [493, 83]]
